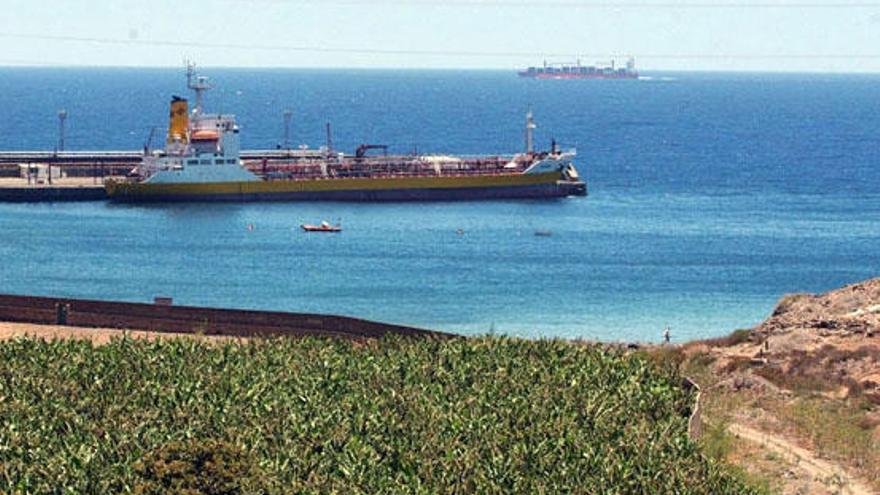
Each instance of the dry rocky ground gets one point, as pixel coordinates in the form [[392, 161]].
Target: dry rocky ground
[[796, 401]]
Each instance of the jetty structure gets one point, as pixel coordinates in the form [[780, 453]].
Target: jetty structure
[[201, 161]]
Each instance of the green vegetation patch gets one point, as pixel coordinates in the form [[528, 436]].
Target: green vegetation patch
[[488, 415]]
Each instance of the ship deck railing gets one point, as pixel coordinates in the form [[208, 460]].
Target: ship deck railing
[[401, 175]]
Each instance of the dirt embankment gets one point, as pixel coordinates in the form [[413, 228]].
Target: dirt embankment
[[805, 387], [97, 336]]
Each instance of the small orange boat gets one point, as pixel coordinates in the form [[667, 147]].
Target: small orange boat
[[324, 227]]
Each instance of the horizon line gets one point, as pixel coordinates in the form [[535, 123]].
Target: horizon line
[[51, 65]]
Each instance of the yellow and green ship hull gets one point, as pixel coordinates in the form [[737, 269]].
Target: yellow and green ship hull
[[434, 188]]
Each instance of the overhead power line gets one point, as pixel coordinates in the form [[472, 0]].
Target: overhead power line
[[282, 48], [574, 4], [432, 53]]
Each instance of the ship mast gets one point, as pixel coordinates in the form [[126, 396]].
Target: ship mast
[[329, 141], [530, 132], [197, 83]]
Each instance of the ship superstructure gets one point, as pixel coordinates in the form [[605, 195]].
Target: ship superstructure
[[201, 162], [578, 71], [200, 147]]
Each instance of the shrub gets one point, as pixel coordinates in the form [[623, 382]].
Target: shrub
[[199, 467], [735, 338]]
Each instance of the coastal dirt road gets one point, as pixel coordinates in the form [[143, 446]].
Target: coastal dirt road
[[818, 470], [802, 391]]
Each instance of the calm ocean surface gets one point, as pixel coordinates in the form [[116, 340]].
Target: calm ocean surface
[[711, 195]]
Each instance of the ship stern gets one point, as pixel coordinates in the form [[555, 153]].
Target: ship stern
[[570, 183], [572, 187]]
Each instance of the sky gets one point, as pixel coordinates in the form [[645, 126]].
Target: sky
[[749, 35]]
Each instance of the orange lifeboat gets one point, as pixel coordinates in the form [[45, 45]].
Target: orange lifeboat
[[205, 135]]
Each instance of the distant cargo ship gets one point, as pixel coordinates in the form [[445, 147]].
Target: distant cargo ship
[[578, 71], [201, 162]]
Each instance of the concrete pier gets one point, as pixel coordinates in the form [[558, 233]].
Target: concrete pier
[[17, 190], [80, 175], [133, 157]]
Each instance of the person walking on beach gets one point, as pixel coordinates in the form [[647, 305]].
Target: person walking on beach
[[666, 334]]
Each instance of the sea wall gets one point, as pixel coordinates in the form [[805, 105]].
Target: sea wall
[[193, 320]]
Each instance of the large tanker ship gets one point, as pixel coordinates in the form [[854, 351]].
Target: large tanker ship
[[578, 71], [201, 162]]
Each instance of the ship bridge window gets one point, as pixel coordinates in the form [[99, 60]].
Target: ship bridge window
[[192, 162]]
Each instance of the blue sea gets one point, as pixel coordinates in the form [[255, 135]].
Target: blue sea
[[711, 195]]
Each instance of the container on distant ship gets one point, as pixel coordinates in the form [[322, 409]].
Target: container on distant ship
[[201, 162], [578, 71]]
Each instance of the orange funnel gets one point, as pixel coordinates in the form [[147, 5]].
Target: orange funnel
[[178, 120]]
